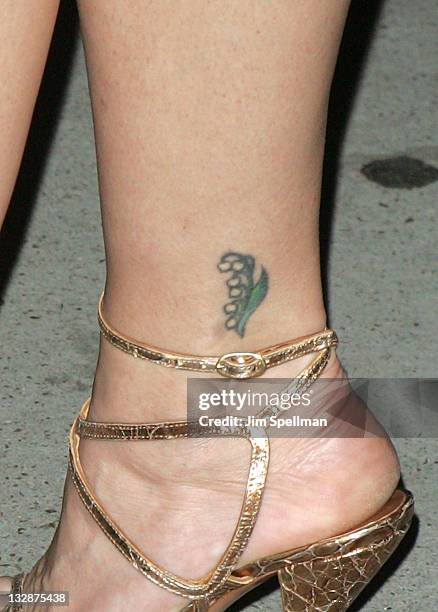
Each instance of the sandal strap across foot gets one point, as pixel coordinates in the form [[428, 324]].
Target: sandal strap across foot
[[193, 589]]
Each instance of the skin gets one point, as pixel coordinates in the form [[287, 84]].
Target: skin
[[25, 32], [210, 123]]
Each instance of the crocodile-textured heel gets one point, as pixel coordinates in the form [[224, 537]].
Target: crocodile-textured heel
[[327, 581]]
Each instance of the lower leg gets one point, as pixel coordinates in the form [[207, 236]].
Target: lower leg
[[210, 121], [216, 142]]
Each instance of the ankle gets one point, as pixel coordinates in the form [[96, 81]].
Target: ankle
[[196, 323], [132, 390]]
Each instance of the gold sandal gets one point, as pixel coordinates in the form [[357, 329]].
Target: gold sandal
[[325, 576]]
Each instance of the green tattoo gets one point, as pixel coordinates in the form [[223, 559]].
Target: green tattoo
[[244, 293]]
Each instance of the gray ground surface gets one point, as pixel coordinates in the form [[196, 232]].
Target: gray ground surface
[[382, 286]]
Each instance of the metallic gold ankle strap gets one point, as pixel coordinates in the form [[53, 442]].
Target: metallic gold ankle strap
[[231, 365]]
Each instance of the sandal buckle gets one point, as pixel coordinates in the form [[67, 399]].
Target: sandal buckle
[[241, 365]]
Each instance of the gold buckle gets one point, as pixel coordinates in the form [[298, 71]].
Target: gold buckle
[[241, 365]]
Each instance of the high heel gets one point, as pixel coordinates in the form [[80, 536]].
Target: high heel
[[331, 574], [324, 576]]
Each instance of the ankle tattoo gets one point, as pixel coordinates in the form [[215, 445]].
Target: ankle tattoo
[[245, 295]]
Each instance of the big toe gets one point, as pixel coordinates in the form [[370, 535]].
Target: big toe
[[5, 588]]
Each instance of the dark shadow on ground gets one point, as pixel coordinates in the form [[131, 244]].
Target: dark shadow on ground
[[41, 135], [360, 27], [389, 568]]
